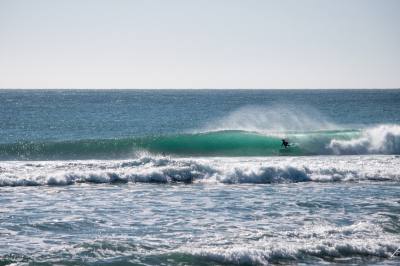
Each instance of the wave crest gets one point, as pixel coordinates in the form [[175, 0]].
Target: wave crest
[[148, 169], [383, 139], [266, 175]]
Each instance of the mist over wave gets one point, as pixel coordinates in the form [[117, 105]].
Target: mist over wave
[[276, 118]]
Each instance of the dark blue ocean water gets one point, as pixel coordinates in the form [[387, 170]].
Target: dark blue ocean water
[[182, 177], [87, 114]]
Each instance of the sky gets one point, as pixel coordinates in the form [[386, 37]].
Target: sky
[[200, 44]]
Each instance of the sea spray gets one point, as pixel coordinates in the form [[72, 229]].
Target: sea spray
[[270, 119]]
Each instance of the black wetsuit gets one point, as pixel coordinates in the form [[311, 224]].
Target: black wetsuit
[[285, 143]]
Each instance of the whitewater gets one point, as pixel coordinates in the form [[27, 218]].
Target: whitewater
[[128, 177], [240, 170]]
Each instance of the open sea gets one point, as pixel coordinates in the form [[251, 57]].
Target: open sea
[[199, 177]]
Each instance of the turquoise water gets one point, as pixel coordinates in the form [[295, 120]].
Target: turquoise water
[[180, 177], [113, 124], [219, 143]]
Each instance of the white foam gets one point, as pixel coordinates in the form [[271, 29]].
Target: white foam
[[220, 170], [267, 252], [383, 139], [319, 241]]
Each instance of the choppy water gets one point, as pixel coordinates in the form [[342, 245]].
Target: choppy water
[[199, 177]]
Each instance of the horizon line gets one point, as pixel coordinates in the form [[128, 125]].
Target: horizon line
[[209, 88]]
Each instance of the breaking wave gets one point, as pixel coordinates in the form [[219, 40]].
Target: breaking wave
[[345, 251], [154, 169], [382, 139]]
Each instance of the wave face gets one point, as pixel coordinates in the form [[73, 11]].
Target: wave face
[[383, 139], [242, 170]]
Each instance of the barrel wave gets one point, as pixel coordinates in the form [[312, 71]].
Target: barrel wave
[[382, 139]]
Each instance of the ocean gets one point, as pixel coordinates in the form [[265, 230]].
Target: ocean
[[199, 177]]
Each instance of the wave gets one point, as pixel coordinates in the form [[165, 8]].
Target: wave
[[382, 139], [346, 251], [154, 169]]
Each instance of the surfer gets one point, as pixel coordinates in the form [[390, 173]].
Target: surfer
[[285, 143]]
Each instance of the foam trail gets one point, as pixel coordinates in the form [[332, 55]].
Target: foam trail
[[266, 253], [311, 240]]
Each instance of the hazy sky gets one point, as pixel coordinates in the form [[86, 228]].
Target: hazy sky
[[199, 44]]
